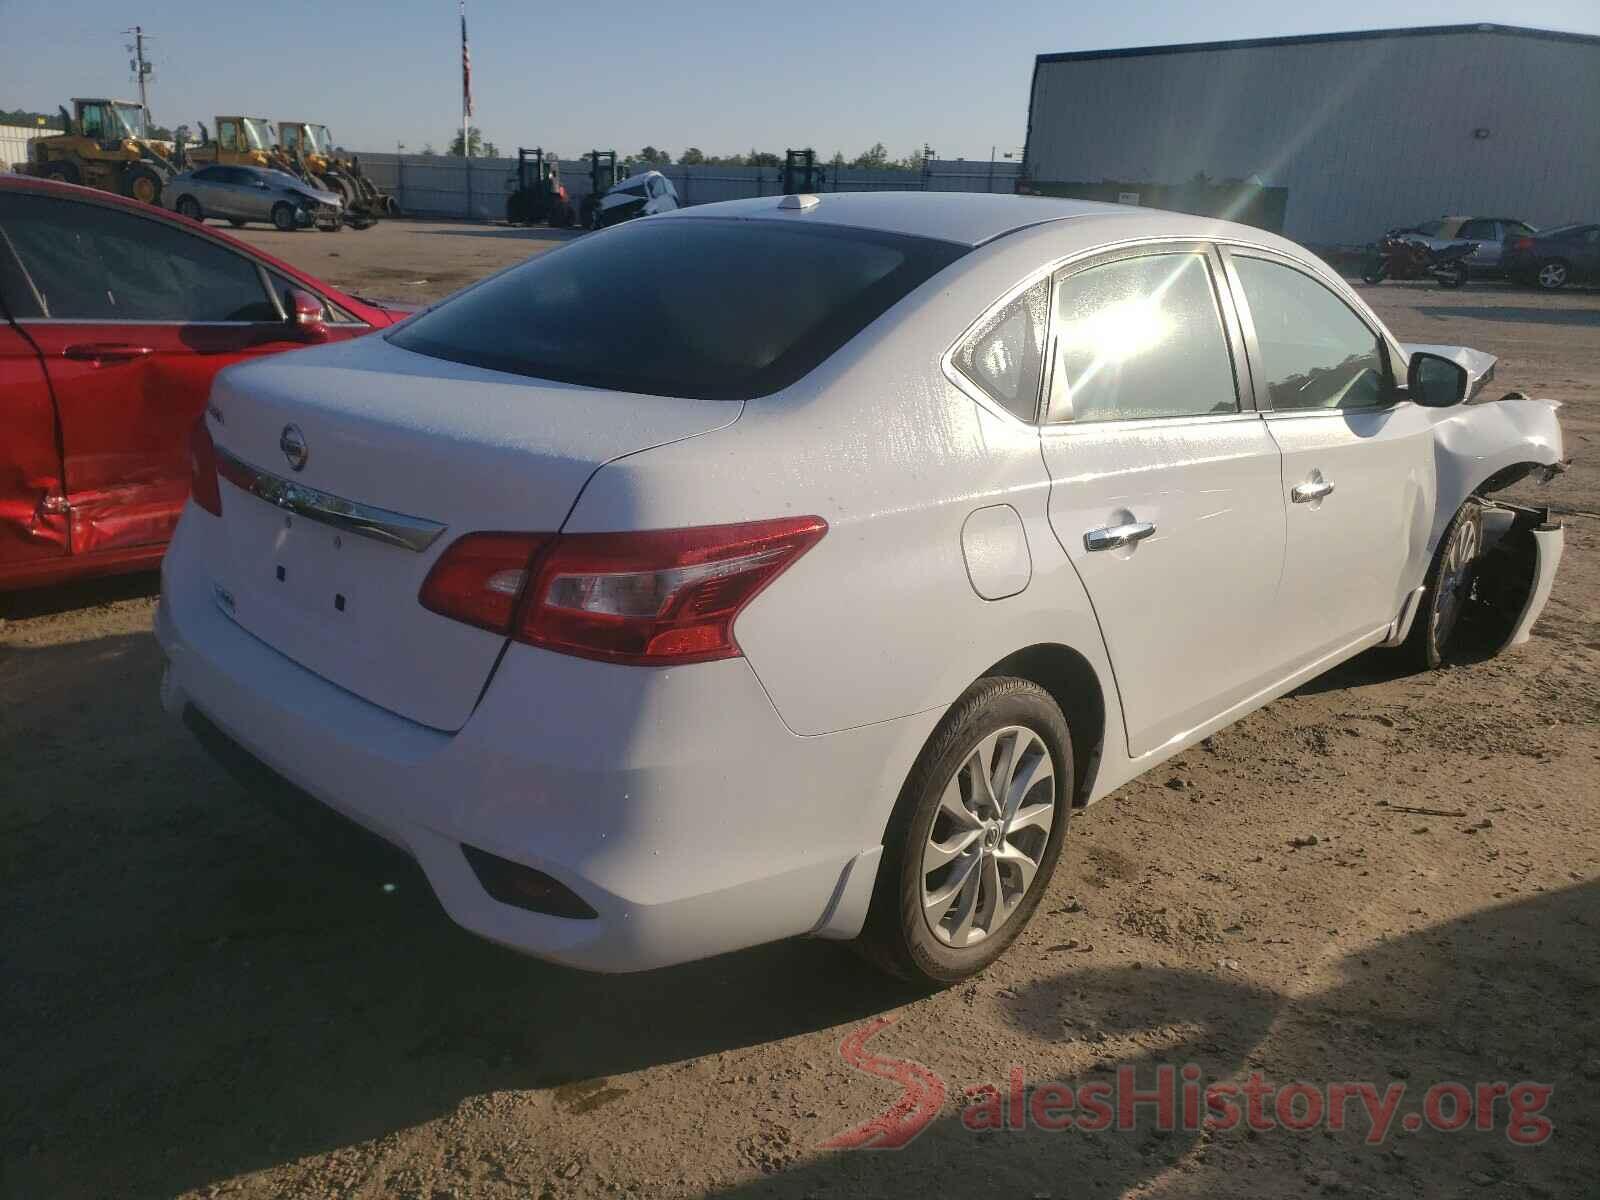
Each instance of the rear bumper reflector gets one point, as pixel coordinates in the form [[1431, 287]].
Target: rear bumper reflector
[[523, 887]]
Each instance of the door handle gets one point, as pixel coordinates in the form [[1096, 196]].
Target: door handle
[[1304, 493], [1113, 536], [104, 352]]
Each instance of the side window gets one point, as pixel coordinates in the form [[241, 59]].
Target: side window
[[228, 135], [1518, 229], [94, 122], [96, 264], [1005, 355], [1139, 338], [1315, 352], [1479, 231]]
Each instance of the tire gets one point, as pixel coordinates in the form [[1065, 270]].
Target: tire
[[236, 222], [517, 205], [1375, 275], [1446, 589], [62, 172], [141, 183], [283, 217], [188, 206], [987, 725], [1452, 276], [1553, 275]]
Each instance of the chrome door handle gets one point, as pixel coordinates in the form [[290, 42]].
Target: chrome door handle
[[1304, 493], [1113, 536], [104, 352]]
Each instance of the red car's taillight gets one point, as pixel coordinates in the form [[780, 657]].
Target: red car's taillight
[[203, 469], [654, 598]]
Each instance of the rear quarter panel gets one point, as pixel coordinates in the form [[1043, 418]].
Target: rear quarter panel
[[879, 619]]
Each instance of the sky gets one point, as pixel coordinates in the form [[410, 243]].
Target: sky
[[723, 76]]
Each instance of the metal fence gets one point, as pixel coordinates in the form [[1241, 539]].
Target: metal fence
[[14, 141], [476, 189]]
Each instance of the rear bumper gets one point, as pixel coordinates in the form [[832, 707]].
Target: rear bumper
[[675, 804]]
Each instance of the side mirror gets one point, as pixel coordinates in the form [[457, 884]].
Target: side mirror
[[305, 316], [1435, 382]]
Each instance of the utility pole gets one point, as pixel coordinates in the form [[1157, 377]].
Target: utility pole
[[141, 70]]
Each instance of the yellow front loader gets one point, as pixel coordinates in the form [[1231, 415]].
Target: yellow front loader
[[105, 146]]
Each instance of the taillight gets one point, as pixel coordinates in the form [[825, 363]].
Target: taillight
[[1522, 243], [654, 598], [480, 578], [203, 469]]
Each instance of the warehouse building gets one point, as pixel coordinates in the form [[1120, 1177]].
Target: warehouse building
[[1331, 138]]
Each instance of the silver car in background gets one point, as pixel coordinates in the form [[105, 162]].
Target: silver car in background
[[240, 194]]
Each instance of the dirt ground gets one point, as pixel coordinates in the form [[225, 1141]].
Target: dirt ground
[[196, 1001]]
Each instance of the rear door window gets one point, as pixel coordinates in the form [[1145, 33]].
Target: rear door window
[[702, 307], [1137, 338], [89, 263], [1479, 231]]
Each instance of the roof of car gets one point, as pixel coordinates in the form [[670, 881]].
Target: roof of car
[[967, 218]]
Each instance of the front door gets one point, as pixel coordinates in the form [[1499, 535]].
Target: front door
[[137, 316], [1165, 490], [1358, 469]]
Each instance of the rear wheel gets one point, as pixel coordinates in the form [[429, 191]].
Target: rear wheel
[[1553, 275], [1447, 587], [189, 207], [236, 222], [975, 835], [283, 216], [63, 172]]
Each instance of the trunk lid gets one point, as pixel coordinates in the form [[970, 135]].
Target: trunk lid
[[402, 455]]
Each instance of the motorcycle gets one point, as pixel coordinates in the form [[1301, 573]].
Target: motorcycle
[[1398, 257]]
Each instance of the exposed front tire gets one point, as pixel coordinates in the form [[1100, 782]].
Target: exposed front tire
[[1553, 275], [189, 207], [975, 835], [1447, 588], [283, 216]]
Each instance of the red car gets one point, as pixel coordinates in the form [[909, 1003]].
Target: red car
[[114, 316]]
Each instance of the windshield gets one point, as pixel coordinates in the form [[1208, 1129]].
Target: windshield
[[701, 307], [259, 134], [321, 139], [131, 118]]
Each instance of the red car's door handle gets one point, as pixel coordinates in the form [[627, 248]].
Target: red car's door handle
[[104, 352]]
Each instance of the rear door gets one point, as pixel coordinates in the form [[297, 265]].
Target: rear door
[[1165, 485], [33, 523], [1358, 468], [136, 315]]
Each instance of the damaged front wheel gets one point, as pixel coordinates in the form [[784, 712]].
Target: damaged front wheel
[[1448, 587]]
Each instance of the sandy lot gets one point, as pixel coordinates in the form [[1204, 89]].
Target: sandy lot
[[195, 1001]]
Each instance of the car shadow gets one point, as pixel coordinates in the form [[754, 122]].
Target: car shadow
[[1498, 996], [84, 593], [1583, 317], [193, 993]]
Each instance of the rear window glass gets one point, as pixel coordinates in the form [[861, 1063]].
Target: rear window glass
[[704, 307]]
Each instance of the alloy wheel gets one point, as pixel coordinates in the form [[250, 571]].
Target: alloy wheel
[[988, 837], [1553, 275], [1455, 580]]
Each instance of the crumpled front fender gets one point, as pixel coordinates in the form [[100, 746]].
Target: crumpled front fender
[[1479, 447]]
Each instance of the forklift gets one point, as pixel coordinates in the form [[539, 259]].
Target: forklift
[[537, 195], [802, 173], [603, 176]]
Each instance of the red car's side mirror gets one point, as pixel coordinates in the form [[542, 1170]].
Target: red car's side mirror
[[305, 316]]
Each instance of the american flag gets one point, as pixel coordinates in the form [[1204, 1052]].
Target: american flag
[[466, 66]]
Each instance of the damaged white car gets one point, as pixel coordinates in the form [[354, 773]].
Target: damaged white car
[[796, 566], [640, 195]]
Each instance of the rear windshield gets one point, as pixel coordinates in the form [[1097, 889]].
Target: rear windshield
[[704, 307]]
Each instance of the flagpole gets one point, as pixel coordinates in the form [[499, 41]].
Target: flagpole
[[466, 87]]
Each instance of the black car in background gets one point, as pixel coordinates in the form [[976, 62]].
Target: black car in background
[[1553, 258]]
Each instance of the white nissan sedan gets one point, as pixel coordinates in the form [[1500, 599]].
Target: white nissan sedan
[[797, 566]]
